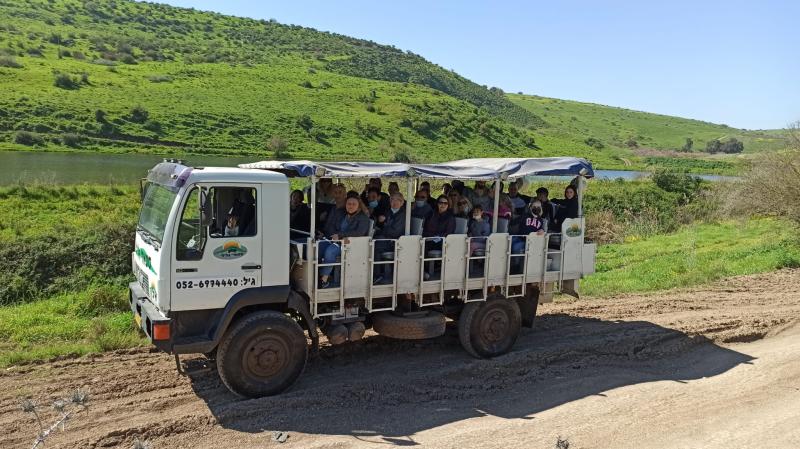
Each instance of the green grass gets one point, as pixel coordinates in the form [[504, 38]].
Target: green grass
[[66, 324], [214, 84], [695, 255], [659, 137]]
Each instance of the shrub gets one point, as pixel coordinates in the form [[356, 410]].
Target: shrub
[[10, 62], [631, 143], [128, 59], [770, 187], [160, 78], [594, 143], [100, 115], [278, 147], [78, 55], [687, 147], [153, 126], [64, 81], [307, 84], [102, 299], [325, 85], [671, 181], [84, 78], [72, 140], [28, 138], [304, 121], [138, 114]]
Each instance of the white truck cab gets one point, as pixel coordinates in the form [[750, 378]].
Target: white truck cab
[[216, 271]]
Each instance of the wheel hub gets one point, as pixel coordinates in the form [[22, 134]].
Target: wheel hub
[[495, 325], [266, 356]]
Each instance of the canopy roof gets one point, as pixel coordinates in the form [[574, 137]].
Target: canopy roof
[[477, 169]]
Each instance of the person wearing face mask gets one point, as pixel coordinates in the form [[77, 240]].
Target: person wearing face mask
[[479, 226], [529, 223], [375, 205], [480, 196], [345, 222], [232, 224], [392, 226], [421, 208]]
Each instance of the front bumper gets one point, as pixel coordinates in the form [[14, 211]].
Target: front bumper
[[146, 315]]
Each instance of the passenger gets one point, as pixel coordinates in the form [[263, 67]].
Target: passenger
[[504, 210], [299, 215], [324, 191], [459, 187], [421, 209], [548, 208], [479, 226], [392, 226], [393, 188], [531, 222], [375, 207], [375, 183], [446, 189], [480, 196], [345, 222], [567, 208], [442, 222], [519, 202], [232, 224], [462, 207], [426, 186]]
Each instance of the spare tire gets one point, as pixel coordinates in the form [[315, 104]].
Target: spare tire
[[414, 327]]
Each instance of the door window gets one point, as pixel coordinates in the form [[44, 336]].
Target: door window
[[191, 230]]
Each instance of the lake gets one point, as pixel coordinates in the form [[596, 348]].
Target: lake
[[104, 168]]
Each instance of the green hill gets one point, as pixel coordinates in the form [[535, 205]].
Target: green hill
[[120, 76]]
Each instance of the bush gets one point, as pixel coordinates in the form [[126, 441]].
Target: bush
[[304, 121], [278, 147], [687, 147], [64, 81], [9, 62], [770, 187], [307, 84], [128, 59], [594, 143], [671, 181], [160, 78], [100, 115], [153, 126], [28, 138], [138, 114], [102, 299], [78, 55], [72, 140]]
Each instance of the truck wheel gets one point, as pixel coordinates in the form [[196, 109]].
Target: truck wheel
[[262, 354], [488, 329], [428, 325]]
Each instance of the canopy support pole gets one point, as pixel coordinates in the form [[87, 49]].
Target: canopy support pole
[[496, 204], [409, 205], [313, 207]]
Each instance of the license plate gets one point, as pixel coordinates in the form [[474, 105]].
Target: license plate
[[138, 319]]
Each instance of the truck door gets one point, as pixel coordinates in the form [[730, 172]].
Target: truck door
[[217, 249]]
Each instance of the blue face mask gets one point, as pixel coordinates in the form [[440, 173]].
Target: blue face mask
[[394, 211], [419, 203], [373, 204]]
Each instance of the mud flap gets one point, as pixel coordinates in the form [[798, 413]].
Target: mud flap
[[528, 305], [571, 287], [298, 303]]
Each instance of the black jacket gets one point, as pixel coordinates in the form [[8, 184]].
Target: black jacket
[[440, 225], [394, 226], [566, 209], [300, 219]]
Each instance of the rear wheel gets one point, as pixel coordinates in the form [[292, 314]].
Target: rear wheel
[[488, 329], [262, 354]]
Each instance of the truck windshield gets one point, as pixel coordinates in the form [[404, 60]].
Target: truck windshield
[[156, 205]]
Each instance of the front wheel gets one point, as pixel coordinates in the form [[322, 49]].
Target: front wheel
[[262, 354], [488, 329]]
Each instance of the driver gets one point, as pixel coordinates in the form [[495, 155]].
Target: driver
[[232, 224]]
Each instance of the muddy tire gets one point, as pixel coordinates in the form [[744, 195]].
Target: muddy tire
[[488, 329], [262, 354], [430, 325]]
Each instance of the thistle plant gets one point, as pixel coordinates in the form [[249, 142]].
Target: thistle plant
[[65, 408]]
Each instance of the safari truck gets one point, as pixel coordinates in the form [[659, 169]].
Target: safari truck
[[252, 302]]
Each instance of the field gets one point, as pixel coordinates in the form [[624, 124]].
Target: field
[[64, 295], [138, 77]]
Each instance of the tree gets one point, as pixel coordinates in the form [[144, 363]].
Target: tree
[[793, 131], [713, 146], [687, 147], [732, 146], [139, 114]]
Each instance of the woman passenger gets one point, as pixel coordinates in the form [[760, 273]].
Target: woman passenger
[[567, 208], [348, 221]]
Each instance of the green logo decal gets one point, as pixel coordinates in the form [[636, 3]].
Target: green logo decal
[[573, 231], [230, 250], [142, 255]]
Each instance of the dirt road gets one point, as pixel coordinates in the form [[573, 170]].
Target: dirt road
[[717, 367]]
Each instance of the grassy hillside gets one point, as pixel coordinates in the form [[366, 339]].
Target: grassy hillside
[[652, 139], [120, 76]]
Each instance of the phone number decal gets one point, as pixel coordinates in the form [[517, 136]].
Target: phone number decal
[[216, 283]]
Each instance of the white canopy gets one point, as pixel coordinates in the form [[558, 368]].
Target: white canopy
[[474, 169]]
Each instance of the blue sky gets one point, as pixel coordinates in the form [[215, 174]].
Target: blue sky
[[728, 62]]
